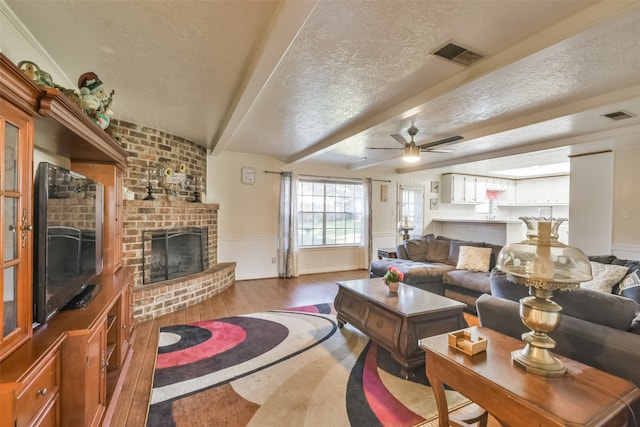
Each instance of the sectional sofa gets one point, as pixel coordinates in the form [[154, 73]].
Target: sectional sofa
[[598, 328], [434, 263]]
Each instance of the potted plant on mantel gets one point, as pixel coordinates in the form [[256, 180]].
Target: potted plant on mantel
[[392, 278]]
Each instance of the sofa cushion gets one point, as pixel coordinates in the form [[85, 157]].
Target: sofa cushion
[[586, 304], [416, 249], [438, 250], [603, 259], [495, 250], [414, 272], [474, 281], [630, 286], [454, 249], [605, 276], [474, 259]]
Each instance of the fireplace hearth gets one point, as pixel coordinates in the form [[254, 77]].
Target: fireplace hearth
[[173, 252]]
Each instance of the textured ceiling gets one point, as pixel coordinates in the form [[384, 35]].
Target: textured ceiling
[[325, 81]]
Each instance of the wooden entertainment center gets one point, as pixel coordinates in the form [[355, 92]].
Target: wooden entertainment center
[[69, 370]]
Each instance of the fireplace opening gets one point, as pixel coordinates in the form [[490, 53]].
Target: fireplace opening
[[173, 252]]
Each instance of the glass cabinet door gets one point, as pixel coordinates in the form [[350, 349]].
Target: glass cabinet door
[[16, 232]]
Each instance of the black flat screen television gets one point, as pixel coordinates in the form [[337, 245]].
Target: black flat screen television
[[69, 214]]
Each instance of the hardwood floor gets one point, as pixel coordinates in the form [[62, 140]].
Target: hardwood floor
[[245, 296]]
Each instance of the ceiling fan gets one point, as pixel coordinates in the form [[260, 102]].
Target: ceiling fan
[[411, 151]]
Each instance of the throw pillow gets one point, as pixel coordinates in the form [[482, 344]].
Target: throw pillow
[[454, 250], [630, 286], [437, 250], [416, 249], [474, 259], [605, 276]]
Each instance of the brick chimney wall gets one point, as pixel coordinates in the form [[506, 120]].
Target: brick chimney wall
[[150, 150]]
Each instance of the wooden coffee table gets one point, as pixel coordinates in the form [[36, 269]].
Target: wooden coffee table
[[584, 396], [397, 322]]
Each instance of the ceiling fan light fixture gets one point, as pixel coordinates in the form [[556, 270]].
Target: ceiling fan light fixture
[[411, 154]]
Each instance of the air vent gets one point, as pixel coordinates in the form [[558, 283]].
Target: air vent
[[619, 115], [457, 54]]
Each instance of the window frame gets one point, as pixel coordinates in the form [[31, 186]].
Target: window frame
[[352, 204]]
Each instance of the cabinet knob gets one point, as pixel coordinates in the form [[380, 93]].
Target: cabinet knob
[[42, 392], [379, 323]]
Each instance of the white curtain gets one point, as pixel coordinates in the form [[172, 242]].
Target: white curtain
[[367, 239], [287, 226]]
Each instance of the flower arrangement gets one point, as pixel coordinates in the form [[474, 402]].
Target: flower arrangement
[[393, 275]]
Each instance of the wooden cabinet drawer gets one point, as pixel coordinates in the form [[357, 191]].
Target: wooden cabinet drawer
[[383, 327], [39, 391], [352, 308]]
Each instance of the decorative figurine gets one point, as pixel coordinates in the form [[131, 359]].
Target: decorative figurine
[[96, 101], [39, 77]]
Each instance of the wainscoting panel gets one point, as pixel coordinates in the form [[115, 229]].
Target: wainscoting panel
[[626, 251], [254, 256]]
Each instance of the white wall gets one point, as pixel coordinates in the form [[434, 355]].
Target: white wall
[[591, 194], [18, 44], [248, 215], [626, 202]]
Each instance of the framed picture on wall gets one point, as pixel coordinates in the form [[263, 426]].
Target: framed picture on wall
[[434, 204], [435, 186]]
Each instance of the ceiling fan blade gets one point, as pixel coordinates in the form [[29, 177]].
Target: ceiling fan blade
[[383, 148], [400, 139], [440, 142], [434, 150]]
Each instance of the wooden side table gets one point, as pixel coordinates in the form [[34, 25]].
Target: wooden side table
[[585, 396], [387, 253]]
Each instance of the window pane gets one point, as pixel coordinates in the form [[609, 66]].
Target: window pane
[[10, 228], [10, 315], [10, 152], [334, 207]]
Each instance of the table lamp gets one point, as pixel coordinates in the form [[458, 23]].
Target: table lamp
[[544, 265], [405, 226]]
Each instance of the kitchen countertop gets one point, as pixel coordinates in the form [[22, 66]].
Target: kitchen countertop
[[480, 220]]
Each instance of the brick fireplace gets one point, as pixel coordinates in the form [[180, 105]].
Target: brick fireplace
[[149, 150], [156, 299]]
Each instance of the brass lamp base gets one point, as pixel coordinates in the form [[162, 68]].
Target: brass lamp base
[[541, 315], [536, 357]]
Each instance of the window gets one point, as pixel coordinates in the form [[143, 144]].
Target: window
[[411, 206], [329, 213]]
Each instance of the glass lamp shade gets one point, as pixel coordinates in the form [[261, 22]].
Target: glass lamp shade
[[411, 154], [405, 224], [541, 261]]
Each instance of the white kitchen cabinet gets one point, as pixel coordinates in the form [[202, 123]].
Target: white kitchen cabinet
[[463, 189], [469, 189], [560, 190], [524, 192], [542, 189], [481, 189]]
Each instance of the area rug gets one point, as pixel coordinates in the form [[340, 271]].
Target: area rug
[[291, 367]]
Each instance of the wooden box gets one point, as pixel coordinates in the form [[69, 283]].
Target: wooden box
[[467, 342]]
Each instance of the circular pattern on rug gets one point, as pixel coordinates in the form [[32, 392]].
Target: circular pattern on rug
[[214, 345]]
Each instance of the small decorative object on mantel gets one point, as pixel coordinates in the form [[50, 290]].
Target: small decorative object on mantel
[[149, 188], [196, 193], [42, 78], [95, 100], [392, 278], [172, 179]]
